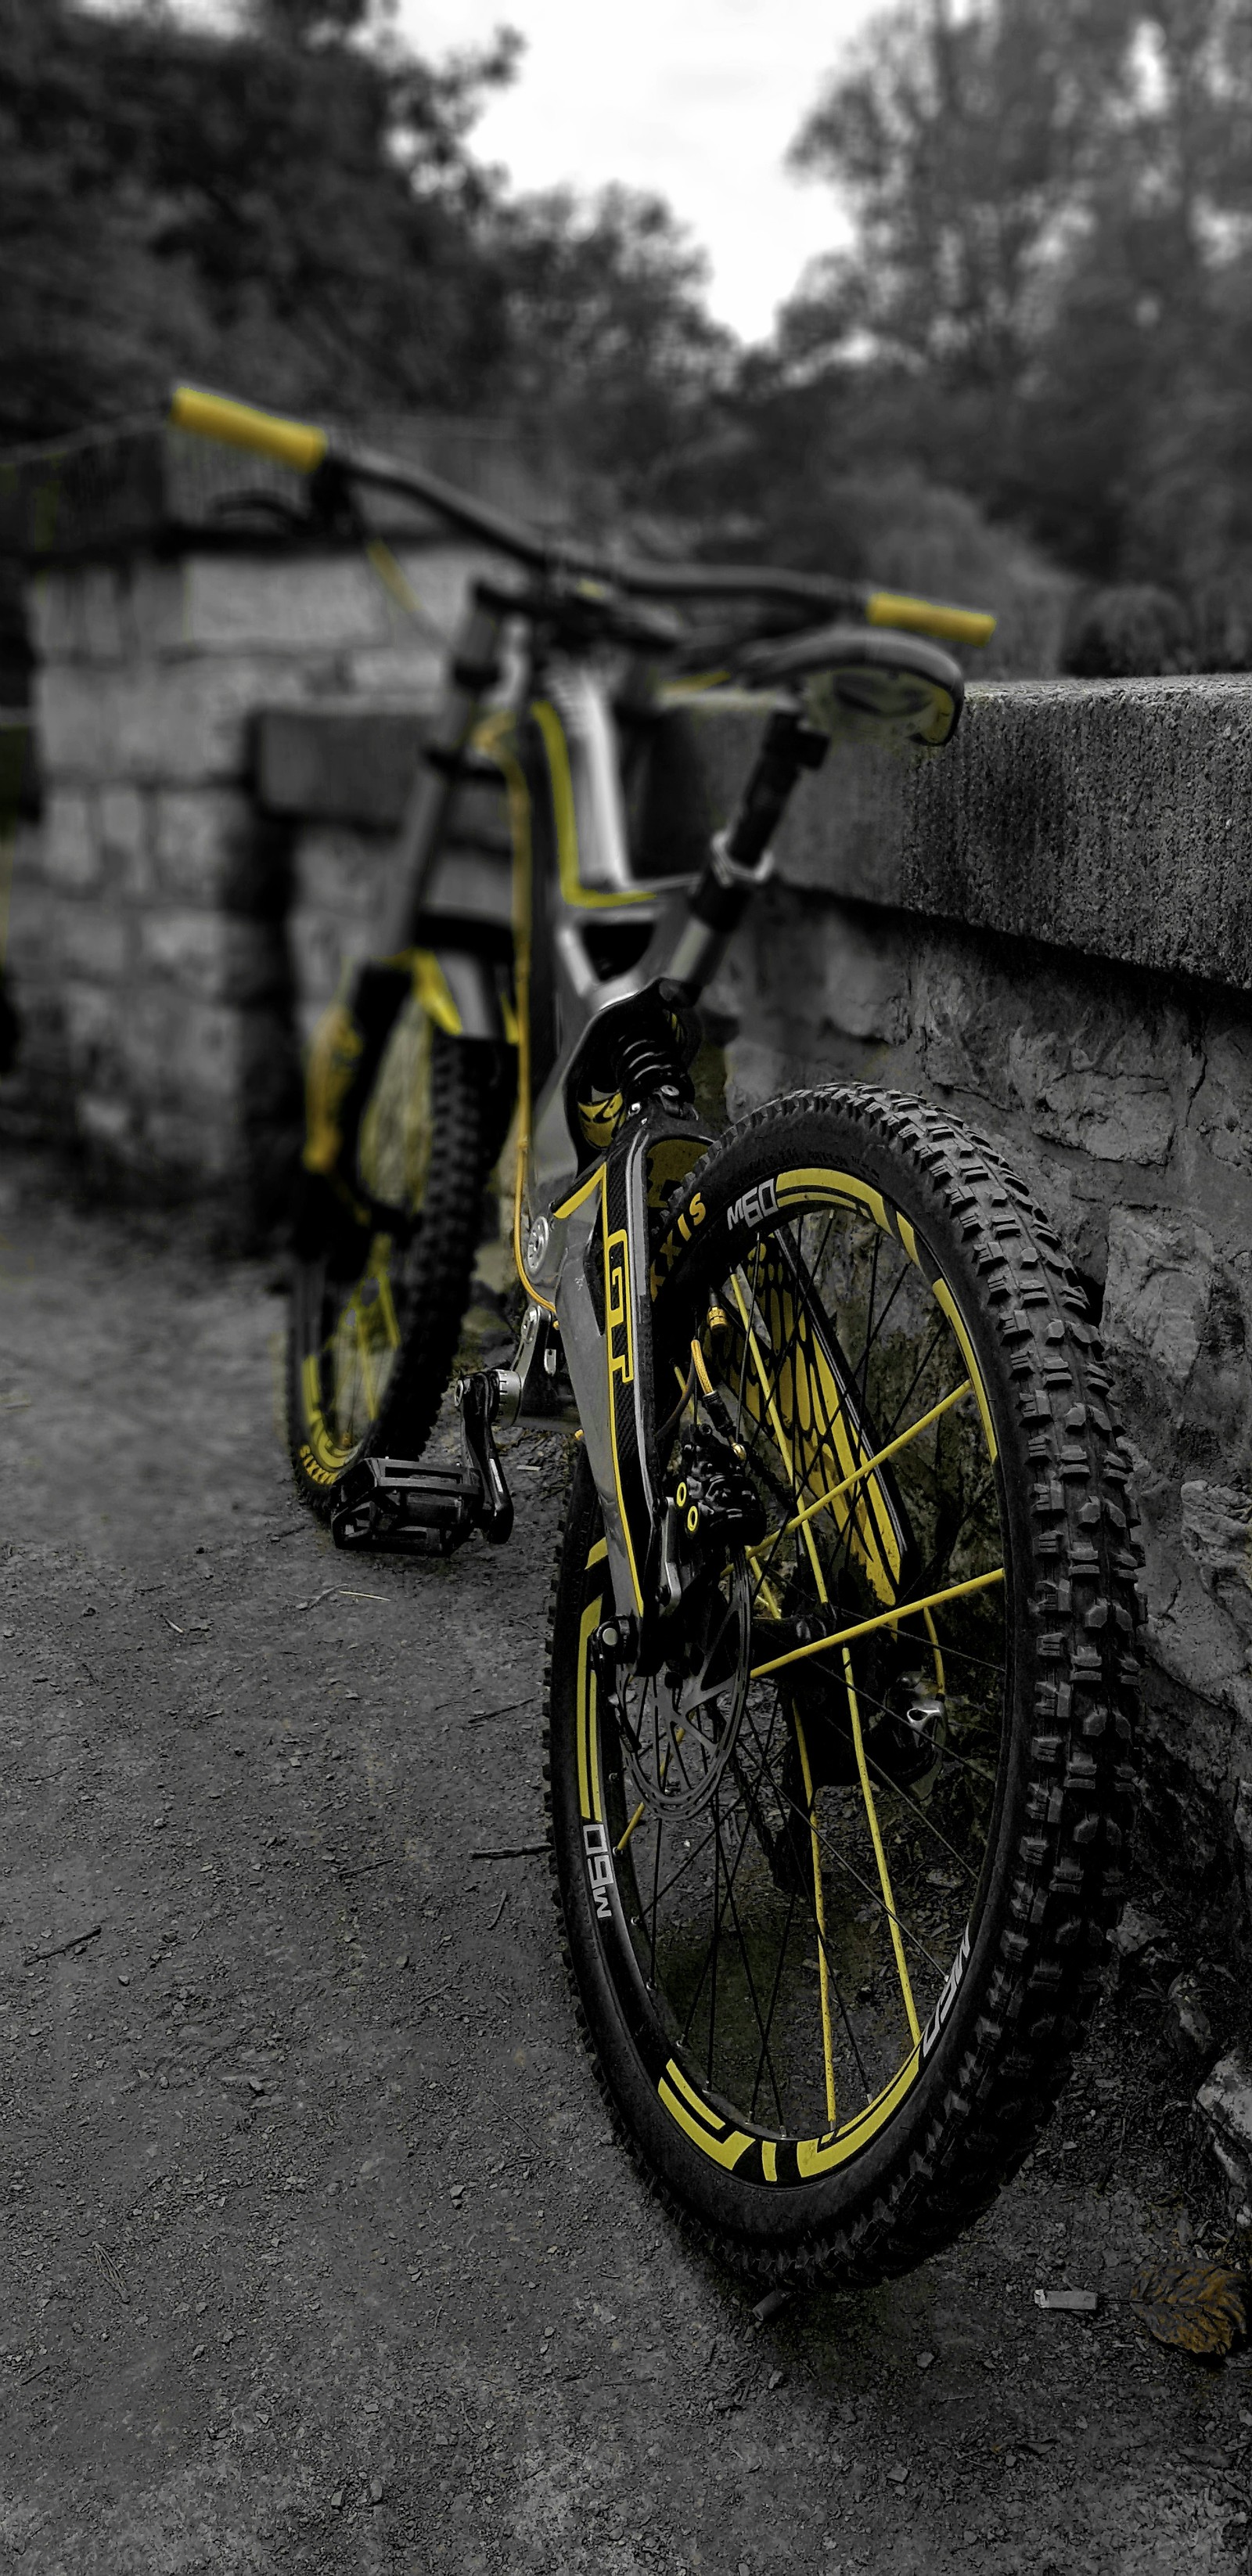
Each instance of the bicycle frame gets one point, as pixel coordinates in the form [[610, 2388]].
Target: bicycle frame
[[587, 1172], [596, 1156], [606, 1126]]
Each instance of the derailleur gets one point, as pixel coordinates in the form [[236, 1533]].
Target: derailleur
[[399, 1503]]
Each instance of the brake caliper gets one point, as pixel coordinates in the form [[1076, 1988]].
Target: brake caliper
[[716, 1503]]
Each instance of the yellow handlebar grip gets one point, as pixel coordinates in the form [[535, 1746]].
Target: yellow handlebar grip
[[289, 442], [927, 617]]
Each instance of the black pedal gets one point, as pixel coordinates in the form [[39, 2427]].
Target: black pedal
[[427, 1511], [398, 1503]]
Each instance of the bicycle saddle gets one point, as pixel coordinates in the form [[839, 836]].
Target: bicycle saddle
[[904, 684]]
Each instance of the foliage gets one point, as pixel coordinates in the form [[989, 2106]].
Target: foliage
[[290, 207], [613, 353], [1050, 292]]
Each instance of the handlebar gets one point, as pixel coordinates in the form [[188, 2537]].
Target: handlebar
[[306, 450]]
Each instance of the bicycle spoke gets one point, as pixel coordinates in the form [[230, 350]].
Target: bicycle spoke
[[819, 1911], [883, 1619]]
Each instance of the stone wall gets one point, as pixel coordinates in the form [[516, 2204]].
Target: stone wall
[[1002, 931], [152, 910]]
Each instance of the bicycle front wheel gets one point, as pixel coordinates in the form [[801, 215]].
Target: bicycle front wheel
[[375, 1312], [835, 1878]]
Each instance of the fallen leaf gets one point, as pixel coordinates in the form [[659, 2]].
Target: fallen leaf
[[1197, 2308]]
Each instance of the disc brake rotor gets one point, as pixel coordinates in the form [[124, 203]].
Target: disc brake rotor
[[679, 1727]]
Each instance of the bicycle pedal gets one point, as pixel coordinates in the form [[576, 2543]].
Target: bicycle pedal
[[399, 1504]]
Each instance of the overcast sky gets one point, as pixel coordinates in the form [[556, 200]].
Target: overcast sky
[[697, 99]]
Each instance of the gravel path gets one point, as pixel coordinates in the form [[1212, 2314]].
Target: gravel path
[[319, 2254]]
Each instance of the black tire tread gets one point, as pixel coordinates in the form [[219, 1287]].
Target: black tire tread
[[471, 1103], [1067, 1885]]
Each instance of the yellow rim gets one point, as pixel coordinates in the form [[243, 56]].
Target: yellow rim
[[805, 1930]]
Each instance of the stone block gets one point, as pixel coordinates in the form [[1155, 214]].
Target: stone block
[[1224, 2103], [106, 1119], [862, 988], [1221, 1112], [34, 912], [962, 1029], [78, 613], [54, 610], [172, 723], [122, 817], [321, 947], [1157, 1292], [188, 1145], [218, 956], [103, 622], [72, 858], [180, 1049], [342, 872], [155, 605], [1111, 818], [285, 602], [204, 839], [337, 761], [92, 1017], [1099, 1091], [95, 942], [1217, 1534], [409, 668]]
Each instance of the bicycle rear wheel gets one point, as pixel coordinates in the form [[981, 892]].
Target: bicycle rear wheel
[[834, 1911], [376, 1310]]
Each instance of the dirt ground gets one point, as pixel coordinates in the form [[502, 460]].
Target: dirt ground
[[319, 2254]]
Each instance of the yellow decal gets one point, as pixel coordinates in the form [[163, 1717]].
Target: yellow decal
[[708, 2132], [588, 1760], [669, 1162], [821, 2155], [564, 812], [907, 1236], [314, 1470], [584, 1191], [680, 1232], [946, 1301], [617, 1327], [334, 1053], [319, 1436], [433, 991], [809, 1184], [598, 1119]]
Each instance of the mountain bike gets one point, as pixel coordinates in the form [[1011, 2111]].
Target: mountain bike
[[841, 1657]]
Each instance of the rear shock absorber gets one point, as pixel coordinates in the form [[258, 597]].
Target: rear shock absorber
[[645, 1065]]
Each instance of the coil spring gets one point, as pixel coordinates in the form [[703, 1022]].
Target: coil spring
[[643, 1066]]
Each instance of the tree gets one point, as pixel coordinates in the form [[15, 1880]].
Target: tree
[[1050, 291], [612, 353], [290, 207]]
